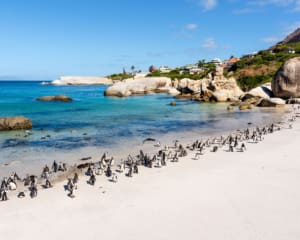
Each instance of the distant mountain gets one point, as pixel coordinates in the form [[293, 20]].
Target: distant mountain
[[294, 37]]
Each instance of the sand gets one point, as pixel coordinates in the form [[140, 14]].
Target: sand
[[250, 195]]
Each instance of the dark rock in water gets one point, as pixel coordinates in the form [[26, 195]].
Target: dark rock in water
[[229, 108], [149, 140], [173, 103], [85, 158], [15, 123], [59, 98], [244, 107], [272, 102]]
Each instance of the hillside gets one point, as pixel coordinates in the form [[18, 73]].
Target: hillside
[[254, 70]]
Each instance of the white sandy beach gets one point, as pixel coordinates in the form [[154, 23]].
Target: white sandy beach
[[250, 195]]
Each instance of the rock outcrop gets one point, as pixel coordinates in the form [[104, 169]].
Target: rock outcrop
[[79, 80], [59, 98], [146, 85], [215, 87], [286, 82], [15, 123]]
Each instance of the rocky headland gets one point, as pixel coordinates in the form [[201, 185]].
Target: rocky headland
[[81, 80]]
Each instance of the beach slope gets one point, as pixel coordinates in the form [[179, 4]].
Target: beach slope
[[250, 195]]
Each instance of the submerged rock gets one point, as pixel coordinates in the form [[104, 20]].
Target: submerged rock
[[246, 106], [15, 123], [173, 103], [272, 102], [59, 98]]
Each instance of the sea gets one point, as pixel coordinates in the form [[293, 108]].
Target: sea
[[93, 124]]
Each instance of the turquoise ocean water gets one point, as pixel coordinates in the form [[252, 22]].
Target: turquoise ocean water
[[93, 121]]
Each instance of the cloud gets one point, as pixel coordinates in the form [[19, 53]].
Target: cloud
[[270, 40], [191, 26], [208, 4], [210, 43], [297, 6], [293, 4], [271, 2], [244, 11]]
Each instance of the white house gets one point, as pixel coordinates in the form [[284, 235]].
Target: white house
[[216, 61], [165, 69]]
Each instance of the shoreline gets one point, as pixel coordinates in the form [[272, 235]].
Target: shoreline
[[33, 160], [238, 193], [149, 148]]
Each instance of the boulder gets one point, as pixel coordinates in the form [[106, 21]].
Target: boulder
[[250, 99], [293, 101], [225, 89], [220, 96], [263, 91], [189, 85], [173, 92], [15, 123], [245, 106], [286, 82], [146, 85], [271, 102], [59, 98], [229, 108]]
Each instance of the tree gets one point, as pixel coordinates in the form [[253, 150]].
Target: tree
[[201, 63], [152, 69], [132, 70]]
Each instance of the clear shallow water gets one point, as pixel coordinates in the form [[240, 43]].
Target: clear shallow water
[[94, 123]]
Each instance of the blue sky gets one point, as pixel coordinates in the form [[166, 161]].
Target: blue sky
[[44, 39]]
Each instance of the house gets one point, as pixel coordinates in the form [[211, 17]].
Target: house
[[229, 63], [196, 70], [191, 69], [165, 69], [250, 55], [289, 50], [216, 61]]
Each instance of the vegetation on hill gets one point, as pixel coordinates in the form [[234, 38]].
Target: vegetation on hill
[[120, 76], [183, 73], [252, 71]]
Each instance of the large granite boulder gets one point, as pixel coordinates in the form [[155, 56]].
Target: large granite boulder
[[187, 85], [15, 123], [225, 89], [81, 80], [146, 85], [59, 98], [286, 82]]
